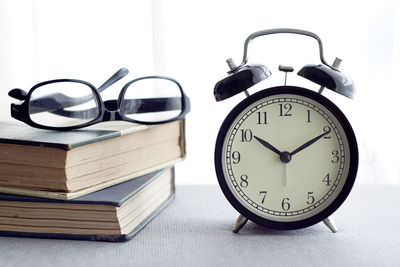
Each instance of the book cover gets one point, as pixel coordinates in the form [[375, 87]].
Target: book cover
[[21, 134], [113, 214]]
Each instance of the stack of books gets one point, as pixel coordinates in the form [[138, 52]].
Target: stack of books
[[104, 182]]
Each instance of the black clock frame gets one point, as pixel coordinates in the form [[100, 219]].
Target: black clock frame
[[337, 202]]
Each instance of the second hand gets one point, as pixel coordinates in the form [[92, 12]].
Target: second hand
[[284, 171]]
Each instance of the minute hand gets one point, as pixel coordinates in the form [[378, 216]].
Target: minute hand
[[309, 143]]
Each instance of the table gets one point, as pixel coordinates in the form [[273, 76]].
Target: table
[[195, 230]]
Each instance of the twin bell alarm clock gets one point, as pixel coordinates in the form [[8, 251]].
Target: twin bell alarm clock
[[286, 157]]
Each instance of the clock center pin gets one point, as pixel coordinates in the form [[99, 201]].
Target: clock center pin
[[285, 157]]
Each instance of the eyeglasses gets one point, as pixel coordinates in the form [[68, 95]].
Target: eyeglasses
[[66, 104]]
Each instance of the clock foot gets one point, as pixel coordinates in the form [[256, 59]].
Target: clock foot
[[240, 222], [330, 223]]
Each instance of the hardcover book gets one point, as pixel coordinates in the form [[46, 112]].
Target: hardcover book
[[113, 214], [68, 164]]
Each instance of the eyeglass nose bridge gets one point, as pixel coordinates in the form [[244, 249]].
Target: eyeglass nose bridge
[[111, 111]]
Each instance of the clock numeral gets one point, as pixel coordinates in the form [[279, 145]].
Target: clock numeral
[[247, 135], [310, 198], [308, 116], [327, 129], [262, 117], [285, 109], [243, 180], [285, 204], [235, 157], [327, 180], [263, 193], [335, 156]]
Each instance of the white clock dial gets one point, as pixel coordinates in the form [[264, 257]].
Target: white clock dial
[[285, 157]]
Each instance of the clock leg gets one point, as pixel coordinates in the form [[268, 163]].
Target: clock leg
[[330, 223], [240, 222]]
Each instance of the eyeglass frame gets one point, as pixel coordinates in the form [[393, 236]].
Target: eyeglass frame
[[21, 111]]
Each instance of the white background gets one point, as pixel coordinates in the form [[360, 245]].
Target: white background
[[190, 41]]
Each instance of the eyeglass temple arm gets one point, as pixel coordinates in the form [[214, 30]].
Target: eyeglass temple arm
[[49, 103], [68, 101], [145, 105], [131, 106], [58, 101], [121, 73], [17, 94]]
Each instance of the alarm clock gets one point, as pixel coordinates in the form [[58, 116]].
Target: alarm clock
[[286, 157]]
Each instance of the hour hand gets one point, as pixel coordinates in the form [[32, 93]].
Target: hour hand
[[267, 145]]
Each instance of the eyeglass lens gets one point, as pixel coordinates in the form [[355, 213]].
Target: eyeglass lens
[[152, 100], [63, 104]]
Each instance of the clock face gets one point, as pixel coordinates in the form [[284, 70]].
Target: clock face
[[286, 157]]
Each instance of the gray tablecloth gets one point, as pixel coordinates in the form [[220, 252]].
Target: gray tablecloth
[[195, 230]]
